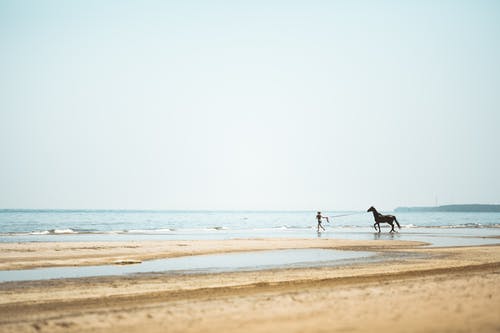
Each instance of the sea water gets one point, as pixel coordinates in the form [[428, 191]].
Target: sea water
[[435, 229], [123, 225]]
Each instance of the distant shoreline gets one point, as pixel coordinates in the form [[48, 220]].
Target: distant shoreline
[[477, 208]]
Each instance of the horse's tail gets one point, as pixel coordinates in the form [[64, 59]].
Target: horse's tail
[[395, 220]]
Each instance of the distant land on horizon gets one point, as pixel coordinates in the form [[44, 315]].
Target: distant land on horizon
[[452, 208]]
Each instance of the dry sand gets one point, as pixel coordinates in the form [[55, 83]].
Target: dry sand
[[436, 290]]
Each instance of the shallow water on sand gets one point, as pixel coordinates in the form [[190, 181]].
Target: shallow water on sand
[[214, 263], [433, 236], [436, 237]]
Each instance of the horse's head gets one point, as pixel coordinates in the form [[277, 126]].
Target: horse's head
[[371, 209]]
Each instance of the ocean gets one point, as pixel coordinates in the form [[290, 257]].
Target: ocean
[[125, 225], [435, 229]]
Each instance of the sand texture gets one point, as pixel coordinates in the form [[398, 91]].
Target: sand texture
[[416, 289]]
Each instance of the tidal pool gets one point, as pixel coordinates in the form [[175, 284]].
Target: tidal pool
[[212, 263]]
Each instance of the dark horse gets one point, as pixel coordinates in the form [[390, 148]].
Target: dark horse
[[379, 218]]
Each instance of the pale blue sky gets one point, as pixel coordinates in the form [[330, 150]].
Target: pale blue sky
[[249, 104]]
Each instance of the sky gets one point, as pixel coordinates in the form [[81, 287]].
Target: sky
[[265, 105]]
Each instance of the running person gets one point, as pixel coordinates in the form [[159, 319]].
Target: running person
[[319, 217]]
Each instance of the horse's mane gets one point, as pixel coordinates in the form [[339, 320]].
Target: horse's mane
[[376, 211]]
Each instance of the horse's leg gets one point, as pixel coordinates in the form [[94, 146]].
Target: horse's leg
[[392, 226], [378, 225], [394, 220], [375, 226]]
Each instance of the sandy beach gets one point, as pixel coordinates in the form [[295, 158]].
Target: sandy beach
[[452, 289]]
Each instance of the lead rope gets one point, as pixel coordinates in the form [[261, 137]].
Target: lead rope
[[348, 214]]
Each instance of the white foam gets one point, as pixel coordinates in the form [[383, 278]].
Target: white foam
[[45, 232], [64, 231]]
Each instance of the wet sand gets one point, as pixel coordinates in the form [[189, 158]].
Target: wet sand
[[451, 289]]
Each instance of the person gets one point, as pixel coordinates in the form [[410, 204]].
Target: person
[[319, 217]]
